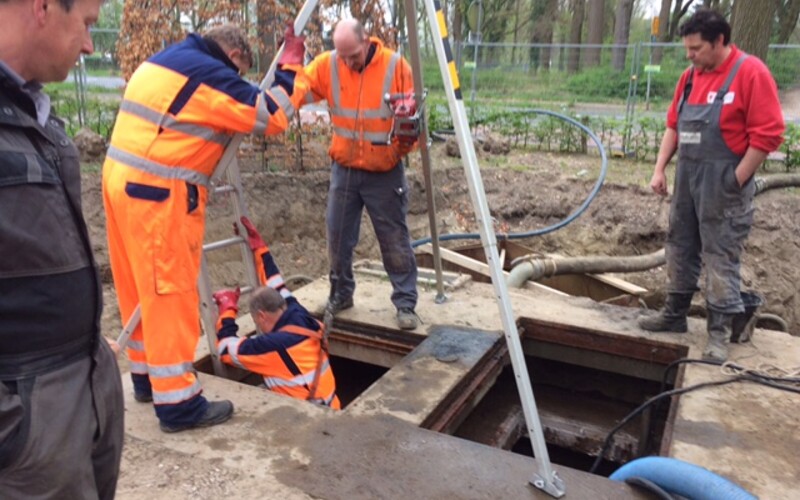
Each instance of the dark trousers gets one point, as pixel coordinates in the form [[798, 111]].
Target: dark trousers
[[385, 196], [61, 432]]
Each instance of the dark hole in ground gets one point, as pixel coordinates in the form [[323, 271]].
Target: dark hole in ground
[[578, 406], [352, 377]]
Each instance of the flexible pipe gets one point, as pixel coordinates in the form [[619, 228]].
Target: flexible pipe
[[530, 269], [682, 478], [782, 324], [533, 268], [558, 225]]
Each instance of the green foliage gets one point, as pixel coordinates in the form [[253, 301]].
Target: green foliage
[[784, 64], [603, 82], [100, 113], [791, 146]]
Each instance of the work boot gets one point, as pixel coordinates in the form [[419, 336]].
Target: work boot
[[672, 318], [336, 304], [143, 397], [406, 318], [719, 335], [217, 412]]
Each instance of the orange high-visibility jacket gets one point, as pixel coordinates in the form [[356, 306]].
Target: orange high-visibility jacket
[[178, 113], [361, 119], [288, 357], [181, 107]]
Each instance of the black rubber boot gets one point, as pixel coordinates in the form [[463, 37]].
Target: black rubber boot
[[217, 413], [719, 335], [672, 318]]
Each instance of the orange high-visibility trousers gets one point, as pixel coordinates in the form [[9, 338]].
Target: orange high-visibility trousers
[[155, 235]]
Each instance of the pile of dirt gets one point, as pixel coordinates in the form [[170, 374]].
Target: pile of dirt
[[289, 208]]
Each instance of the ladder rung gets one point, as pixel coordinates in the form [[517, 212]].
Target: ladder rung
[[225, 188], [216, 245]]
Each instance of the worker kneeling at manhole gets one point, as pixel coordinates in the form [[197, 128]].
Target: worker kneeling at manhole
[[290, 350]]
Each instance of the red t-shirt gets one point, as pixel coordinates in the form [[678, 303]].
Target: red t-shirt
[[751, 114]]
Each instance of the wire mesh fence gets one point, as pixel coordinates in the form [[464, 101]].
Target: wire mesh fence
[[620, 91]]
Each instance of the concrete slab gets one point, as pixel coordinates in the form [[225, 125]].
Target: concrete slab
[[278, 447], [745, 432]]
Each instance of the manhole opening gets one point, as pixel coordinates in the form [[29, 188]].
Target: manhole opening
[[358, 356], [582, 392]]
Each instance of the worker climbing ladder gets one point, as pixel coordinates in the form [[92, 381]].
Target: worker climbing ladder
[[545, 478], [229, 167]]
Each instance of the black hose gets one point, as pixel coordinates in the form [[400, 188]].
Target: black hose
[[558, 225]]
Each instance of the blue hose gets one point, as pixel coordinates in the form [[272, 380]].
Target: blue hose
[[558, 225], [682, 478]]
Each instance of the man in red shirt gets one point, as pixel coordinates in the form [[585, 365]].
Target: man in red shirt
[[724, 119]]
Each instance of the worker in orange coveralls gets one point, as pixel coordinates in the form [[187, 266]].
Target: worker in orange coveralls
[[180, 110], [289, 350]]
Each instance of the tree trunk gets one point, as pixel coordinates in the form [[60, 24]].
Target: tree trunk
[[550, 17], [787, 19], [458, 36], [575, 30], [663, 30], [677, 13], [597, 9], [622, 29], [751, 30]]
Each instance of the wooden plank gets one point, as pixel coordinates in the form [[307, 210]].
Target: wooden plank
[[479, 267]]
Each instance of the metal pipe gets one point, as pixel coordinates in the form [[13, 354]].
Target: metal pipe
[[416, 64]]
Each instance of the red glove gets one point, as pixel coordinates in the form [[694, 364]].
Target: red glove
[[253, 238], [293, 46], [405, 107], [227, 300]]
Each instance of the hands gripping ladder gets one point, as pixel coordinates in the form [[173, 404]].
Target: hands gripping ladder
[[227, 165]]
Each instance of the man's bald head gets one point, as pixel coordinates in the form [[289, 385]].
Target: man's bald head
[[351, 43]]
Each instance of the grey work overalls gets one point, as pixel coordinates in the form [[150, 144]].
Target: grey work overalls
[[710, 213]]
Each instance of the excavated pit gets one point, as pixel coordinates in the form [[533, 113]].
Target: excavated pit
[[584, 383]]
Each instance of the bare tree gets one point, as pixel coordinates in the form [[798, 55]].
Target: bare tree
[[788, 13], [751, 31], [578, 8], [622, 29], [663, 29], [678, 12], [546, 30], [597, 10]]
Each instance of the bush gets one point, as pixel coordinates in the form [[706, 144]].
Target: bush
[[100, 114]]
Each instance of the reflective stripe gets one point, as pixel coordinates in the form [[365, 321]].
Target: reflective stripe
[[138, 368], [157, 169], [282, 100], [387, 78], [298, 381], [136, 345], [167, 371], [374, 137], [167, 121], [232, 345], [275, 281], [334, 82], [285, 293], [174, 397], [382, 112], [262, 115]]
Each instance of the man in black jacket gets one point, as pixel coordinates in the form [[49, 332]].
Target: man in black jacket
[[61, 409]]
